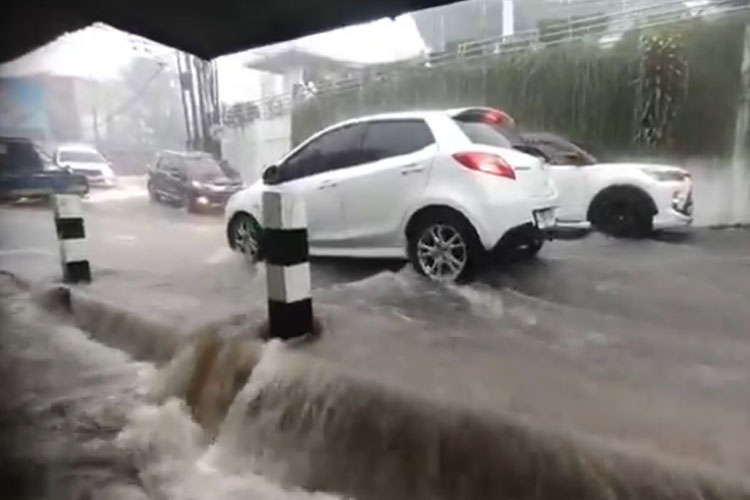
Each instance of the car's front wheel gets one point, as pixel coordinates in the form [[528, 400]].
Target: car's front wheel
[[245, 236], [192, 204], [443, 246], [623, 214], [152, 194]]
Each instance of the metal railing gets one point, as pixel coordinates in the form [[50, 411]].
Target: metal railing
[[488, 50]]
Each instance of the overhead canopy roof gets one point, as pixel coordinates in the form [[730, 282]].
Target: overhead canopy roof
[[205, 28]]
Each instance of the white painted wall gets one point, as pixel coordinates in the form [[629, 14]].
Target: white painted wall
[[248, 149], [719, 196]]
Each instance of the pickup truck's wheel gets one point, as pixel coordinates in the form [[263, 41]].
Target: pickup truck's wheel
[[443, 245], [623, 213]]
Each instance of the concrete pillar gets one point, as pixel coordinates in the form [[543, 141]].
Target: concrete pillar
[[285, 247], [68, 210]]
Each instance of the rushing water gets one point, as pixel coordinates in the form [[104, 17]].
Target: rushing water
[[225, 416], [83, 420]]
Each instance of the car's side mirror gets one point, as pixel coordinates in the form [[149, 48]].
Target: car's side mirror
[[270, 174]]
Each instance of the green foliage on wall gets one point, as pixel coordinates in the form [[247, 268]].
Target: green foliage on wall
[[661, 86], [578, 89]]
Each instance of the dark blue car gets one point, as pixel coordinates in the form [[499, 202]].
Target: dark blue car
[[26, 171]]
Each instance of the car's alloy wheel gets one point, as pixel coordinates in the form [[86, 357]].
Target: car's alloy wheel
[[625, 218], [442, 253], [246, 235]]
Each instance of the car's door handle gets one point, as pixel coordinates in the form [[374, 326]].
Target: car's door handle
[[327, 185], [412, 169]]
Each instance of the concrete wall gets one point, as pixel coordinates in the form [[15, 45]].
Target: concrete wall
[[250, 147], [720, 198]]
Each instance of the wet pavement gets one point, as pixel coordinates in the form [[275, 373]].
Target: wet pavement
[[641, 344]]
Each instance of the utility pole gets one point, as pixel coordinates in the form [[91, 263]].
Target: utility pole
[[94, 109], [200, 106], [194, 119], [182, 78], [200, 66], [741, 156]]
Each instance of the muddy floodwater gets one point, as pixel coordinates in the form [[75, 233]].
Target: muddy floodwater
[[82, 421], [215, 412]]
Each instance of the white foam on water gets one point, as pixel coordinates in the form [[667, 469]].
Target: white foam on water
[[483, 300], [220, 255], [174, 463], [115, 194], [111, 424]]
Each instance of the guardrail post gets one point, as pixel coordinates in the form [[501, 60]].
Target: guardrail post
[[68, 210], [290, 312]]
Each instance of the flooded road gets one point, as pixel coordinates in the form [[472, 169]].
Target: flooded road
[[639, 347]]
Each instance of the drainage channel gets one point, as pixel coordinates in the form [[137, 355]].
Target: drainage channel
[[225, 407]]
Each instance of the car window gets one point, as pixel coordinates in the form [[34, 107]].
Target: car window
[[489, 134], [558, 149], [339, 148], [81, 156], [19, 156], [385, 139]]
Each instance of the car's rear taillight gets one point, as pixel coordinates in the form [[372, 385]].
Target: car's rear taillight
[[486, 162]]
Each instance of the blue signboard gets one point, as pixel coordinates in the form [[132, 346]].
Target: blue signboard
[[22, 108]]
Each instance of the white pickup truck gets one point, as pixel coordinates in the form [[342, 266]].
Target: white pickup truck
[[621, 199]]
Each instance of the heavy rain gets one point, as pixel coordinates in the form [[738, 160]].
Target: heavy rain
[[504, 252]]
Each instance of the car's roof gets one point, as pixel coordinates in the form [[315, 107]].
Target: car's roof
[[77, 147], [414, 114], [185, 154]]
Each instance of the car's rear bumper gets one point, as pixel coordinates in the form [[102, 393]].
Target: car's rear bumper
[[521, 213], [510, 239]]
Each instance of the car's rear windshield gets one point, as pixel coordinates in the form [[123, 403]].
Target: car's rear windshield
[[499, 135], [81, 156], [489, 134]]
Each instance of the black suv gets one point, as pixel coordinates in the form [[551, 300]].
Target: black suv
[[27, 172], [192, 179]]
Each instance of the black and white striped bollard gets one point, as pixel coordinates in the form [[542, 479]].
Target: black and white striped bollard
[[290, 313], [68, 210]]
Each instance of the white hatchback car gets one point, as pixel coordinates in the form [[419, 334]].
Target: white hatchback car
[[86, 160], [437, 187], [622, 199]]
